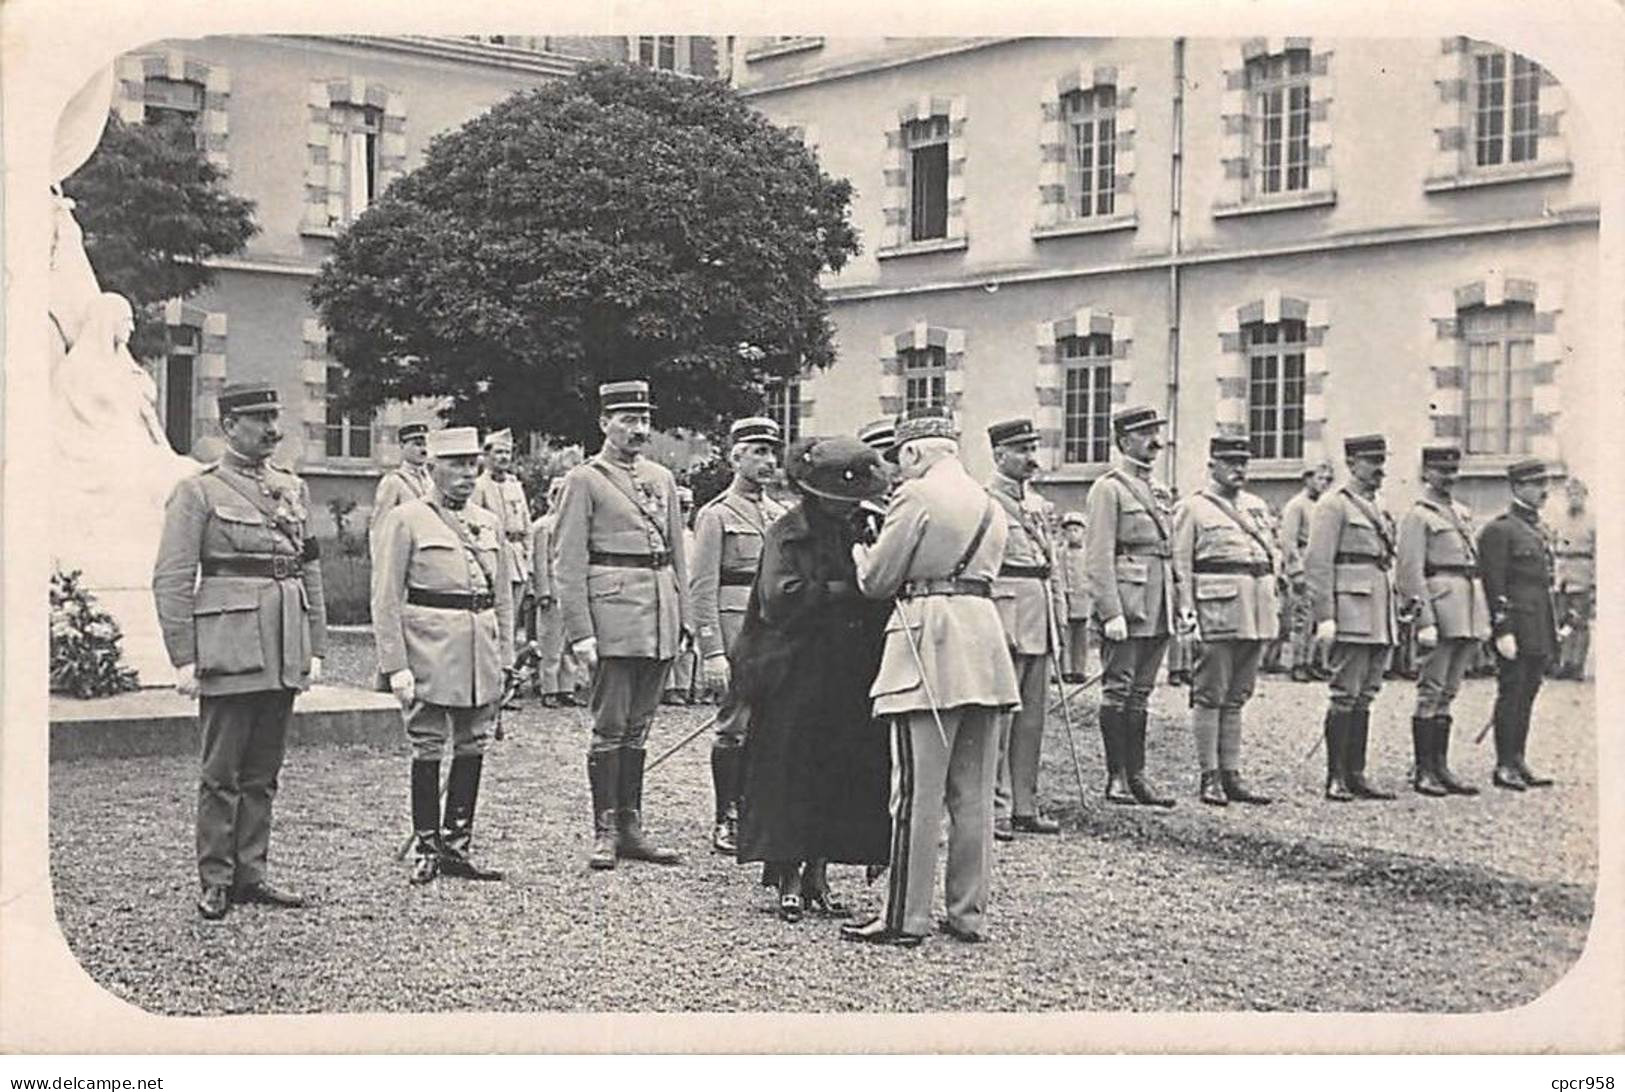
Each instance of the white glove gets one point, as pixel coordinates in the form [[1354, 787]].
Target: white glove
[[1326, 632], [1116, 629], [186, 680], [586, 653], [1188, 626], [315, 669], [1428, 636], [1507, 646], [717, 673], [403, 686]]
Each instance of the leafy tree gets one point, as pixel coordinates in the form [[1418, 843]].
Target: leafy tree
[[622, 222], [153, 210]]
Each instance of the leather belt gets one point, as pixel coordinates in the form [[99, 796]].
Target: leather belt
[[274, 566], [945, 585], [1034, 572], [1455, 570], [738, 579], [1587, 555], [1250, 568], [474, 601], [1378, 560], [628, 561], [1162, 552]]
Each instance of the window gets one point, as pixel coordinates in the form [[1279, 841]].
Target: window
[[926, 144], [1091, 151], [173, 105], [925, 377], [784, 406], [361, 127], [658, 52], [1499, 343], [1275, 388], [179, 374], [1278, 104], [348, 436], [1086, 418], [1506, 108]]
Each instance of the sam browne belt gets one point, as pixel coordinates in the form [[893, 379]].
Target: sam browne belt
[[471, 601], [273, 566], [628, 561], [1250, 568], [738, 578], [945, 585], [1035, 572]]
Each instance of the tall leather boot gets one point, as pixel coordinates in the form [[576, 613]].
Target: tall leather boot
[[1424, 776], [1530, 777], [632, 845], [1441, 764], [1506, 774], [425, 819], [1144, 792], [725, 783], [1354, 775], [457, 835], [603, 777], [1111, 734], [1336, 729]]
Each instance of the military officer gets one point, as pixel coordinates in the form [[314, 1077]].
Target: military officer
[[555, 677], [1576, 581], [623, 586], [1131, 584], [1025, 596], [238, 589], [442, 615], [680, 688], [944, 679], [1306, 655], [728, 536], [410, 480], [1224, 559], [1437, 574], [1348, 567], [498, 491], [1073, 566], [1515, 557]]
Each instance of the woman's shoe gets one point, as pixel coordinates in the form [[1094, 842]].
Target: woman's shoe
[[789, 906], [824, 902]]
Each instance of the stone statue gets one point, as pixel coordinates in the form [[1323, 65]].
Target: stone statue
[[115, 465]]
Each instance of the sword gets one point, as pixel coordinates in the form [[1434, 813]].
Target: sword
[[680, 744], [1066, 708], [919, 663]]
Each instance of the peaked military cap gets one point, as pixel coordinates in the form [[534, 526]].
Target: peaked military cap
[[1372, 443], [923, 422], [1136, 417], [624, 394], [415, 431], [1229, 448], [836, 467], [755, 430], [1528, 470], [448, 442], [255, 397], [1073, 519], [500, 438], [882, 436], [1441, 456], [1017, 430]]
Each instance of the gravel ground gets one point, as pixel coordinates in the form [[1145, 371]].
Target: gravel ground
[[1417, 905]]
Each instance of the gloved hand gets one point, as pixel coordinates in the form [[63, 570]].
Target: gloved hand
[[717, 672], [403, 686], [1116, 629], [586, 654], [544, 602], [1506, 646], [1428, 637], [186, 680], [315, 669], [1326, 632]]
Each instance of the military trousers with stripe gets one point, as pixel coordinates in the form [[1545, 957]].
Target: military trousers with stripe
[[928, 778]]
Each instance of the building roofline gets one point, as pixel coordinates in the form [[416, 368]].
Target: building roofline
[[866, 65], [511, 58]]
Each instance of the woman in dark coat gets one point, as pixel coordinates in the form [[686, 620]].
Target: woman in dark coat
[[817, 770]]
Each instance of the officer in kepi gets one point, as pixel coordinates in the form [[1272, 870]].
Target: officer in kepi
[[728, 536], [410, 480], [623, 588], [442, 615], [1437, 572], [239, 596], [1515, 556], [1348, 567]]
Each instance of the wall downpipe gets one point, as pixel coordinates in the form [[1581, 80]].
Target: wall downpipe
[[1176, 200]]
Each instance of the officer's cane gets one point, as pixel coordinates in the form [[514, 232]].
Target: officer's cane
[[1066, 708], [680, 744]]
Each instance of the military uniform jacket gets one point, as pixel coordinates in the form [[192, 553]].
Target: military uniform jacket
[[541, 555], [456, 655], [728, 536], [1130, 556], [1024, 602], [1515, 557], [929, 524], [1294, 532], [404, 483], [608, 507], [1437, 570], [1349, 568], [244, 633], [505, 499], [1074, 569], [1232, 604], [1576, 553]]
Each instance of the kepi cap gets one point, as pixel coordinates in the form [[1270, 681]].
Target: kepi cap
[[500, 438], [1229, 448], [1441, 456], [755, 430], [624, 394], [1136, 417], [256, 397], [924, 422], [1528, 470], [882, 436], [1073, 519], [449, 442], [1372, 443], [1017, 430], [415, 431], [836, 467]]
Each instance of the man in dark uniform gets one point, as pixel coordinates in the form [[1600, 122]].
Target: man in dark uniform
[[239, 596], [1131, 582], [728, 536], [442, 613], [1348, 567], [1515, 555], [622, 584], [406, 482]]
